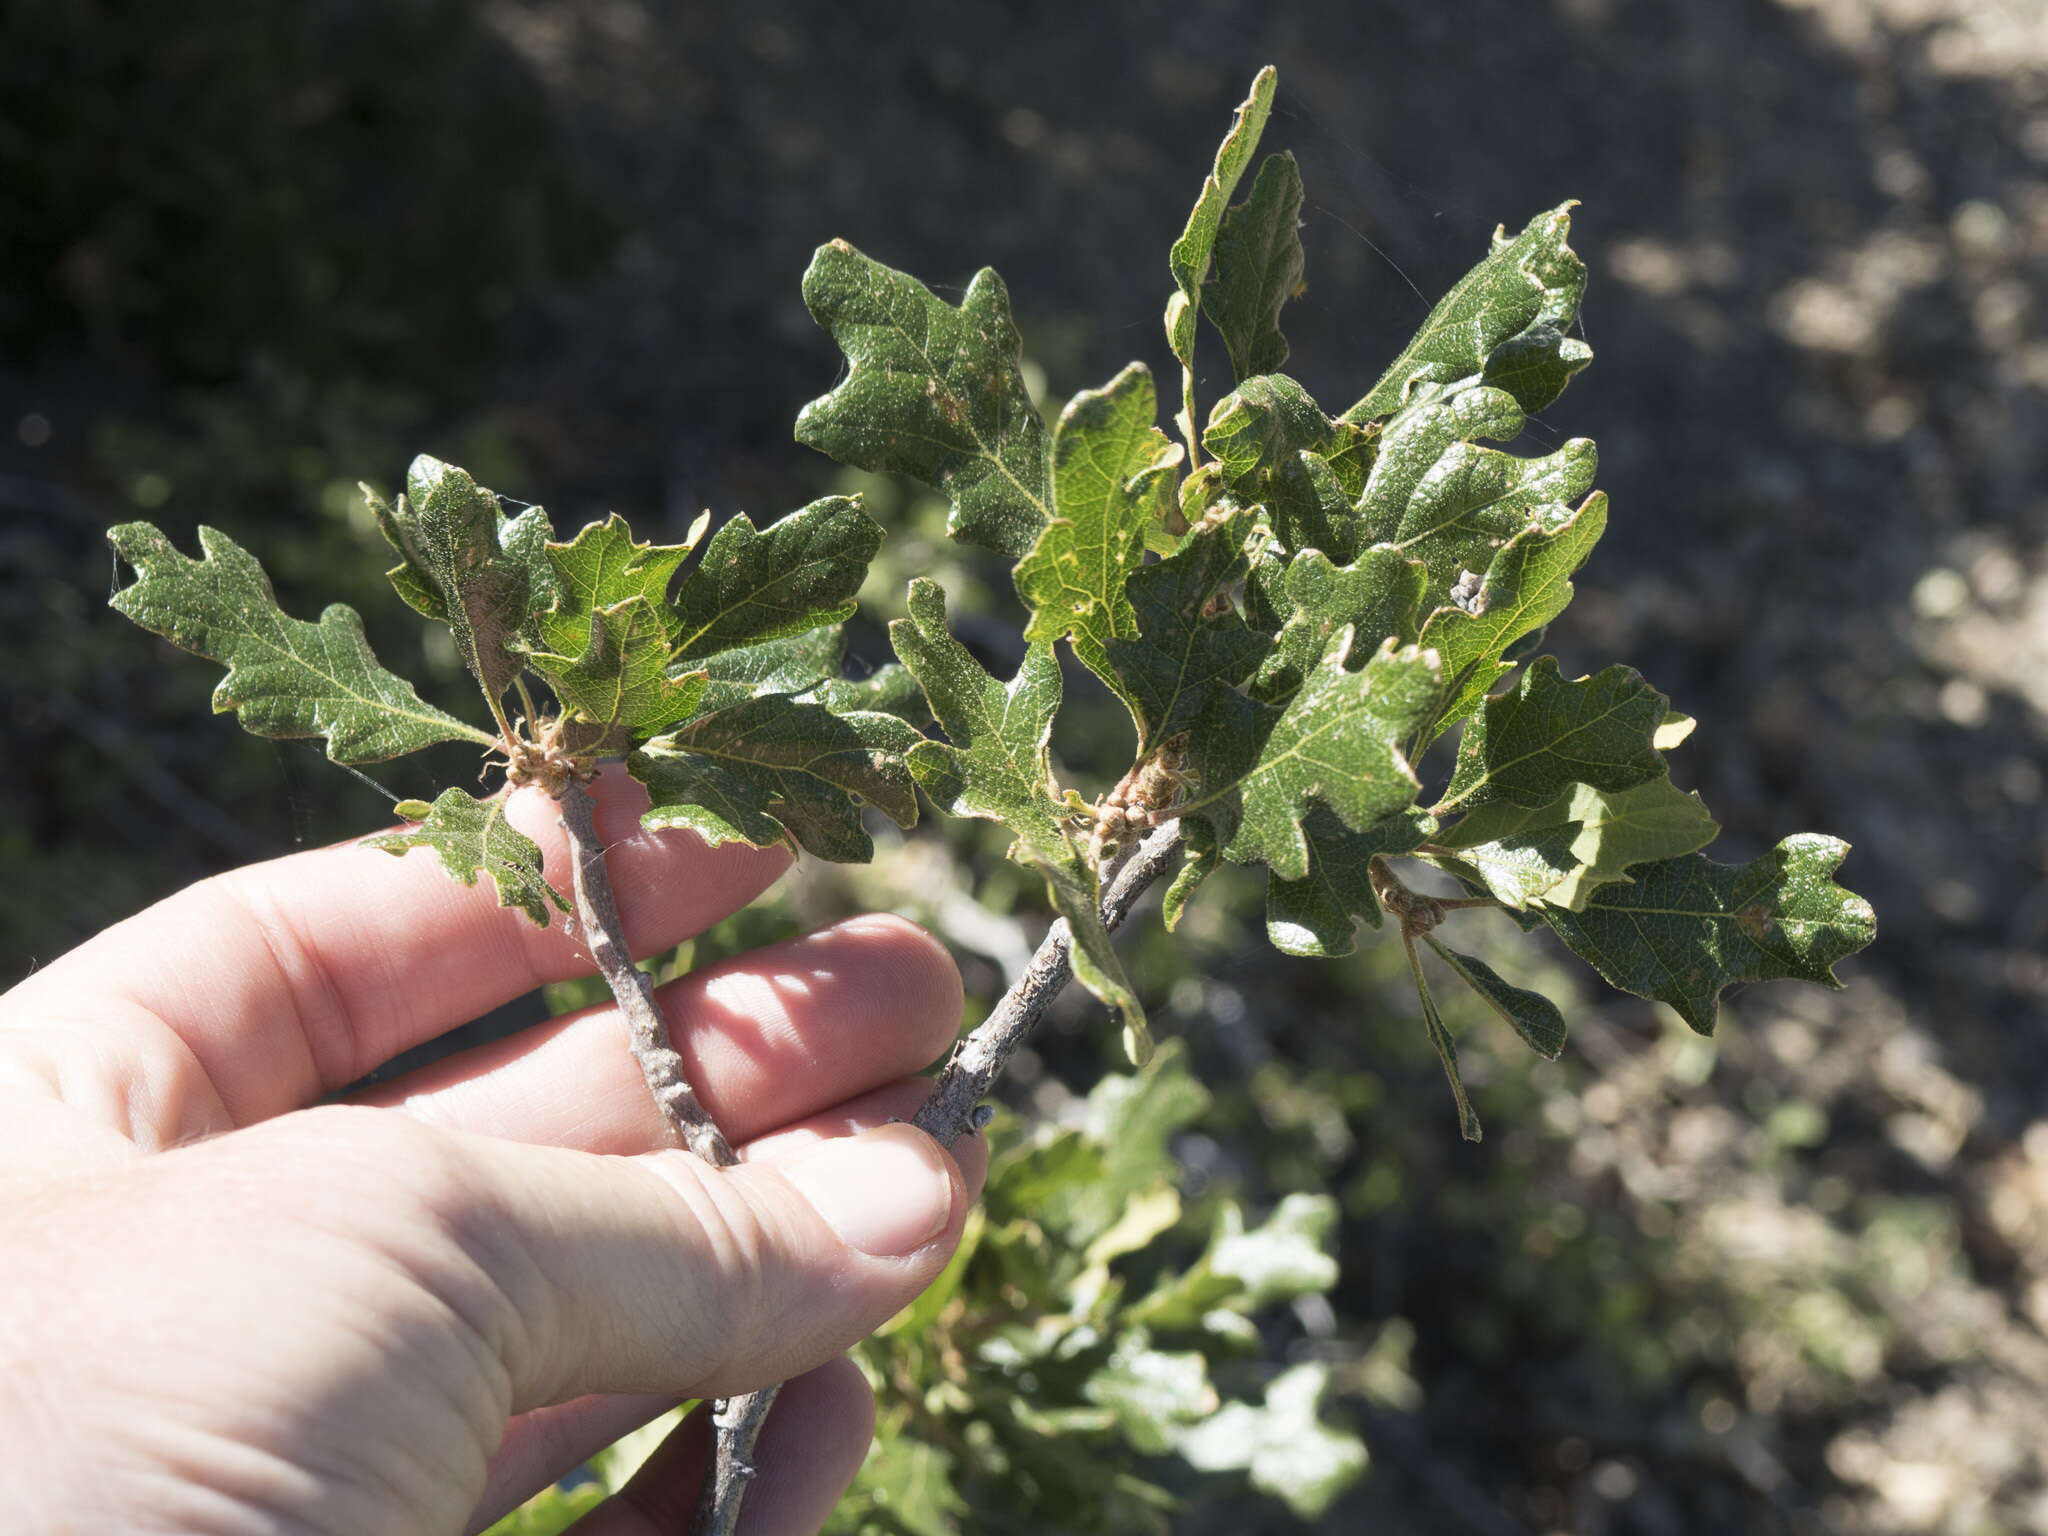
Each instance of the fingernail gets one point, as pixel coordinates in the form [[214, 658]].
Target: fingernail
[[886, 1193]]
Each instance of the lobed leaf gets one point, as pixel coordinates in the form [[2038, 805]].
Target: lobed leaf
[[1530, 745], [994, 764], [1258, 268], [1112, 480], [1319, 913], [1527, 585], [772, 767], [792, 664], [1687, 928], [1185, 646], [1439, 498], [603, 567], [463, 563], [1375, 597], [1190, 257], [619, 689], [1286, 1256], [1503, 324], [1153, 1394], [471, 836], [790, 578], [1275, 447], [1282, 1443], [934, 392], [286, 677], [1336, 743], [1560, 854]]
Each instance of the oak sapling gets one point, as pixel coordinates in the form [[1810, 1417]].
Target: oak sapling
[[1291, 604]]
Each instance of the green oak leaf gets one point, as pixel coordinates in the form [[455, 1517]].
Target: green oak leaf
[[1242, 1270], [1504, 323], [792, 664], [1274, 446], [1185, 645], [1079, 1184], [1191, 253], [472, 837], [934, 393], [1518, 867], [1152, 1394], [1530, 1014], [1319, 913], [994, 764], [888, 690], [1439, 498], [1258, 268], [1684, 929], [602, 567], [1559, 854], [1264, 423], [810, 664], [1527, 585], [286, 677], [1528, 745], [463, 563], [1112, 479], [1287, 1450], [1375, 597], [619, 689], [1337, 742], [787, 579], [773, 767]]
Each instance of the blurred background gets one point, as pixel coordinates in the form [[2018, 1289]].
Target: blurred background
[[1791, 1279]]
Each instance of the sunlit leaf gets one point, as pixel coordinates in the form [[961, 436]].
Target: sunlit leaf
[[472, 837], [1258, 268], [1153, 1393], [1683, 930], [602, 567], [286, 677], [1504, 323], [1561, 853], [775, 766], [934, 393], [1528, 746], [1112, 479], [1437, 496], [618, 688], [458, 564], [787, 579], [1286, 1447], [1191, 253], [1527, 585], [1338, 743]]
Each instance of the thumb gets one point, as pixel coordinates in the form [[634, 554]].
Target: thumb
[[660, 1273]]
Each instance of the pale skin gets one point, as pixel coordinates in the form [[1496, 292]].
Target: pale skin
[[228, 1306]]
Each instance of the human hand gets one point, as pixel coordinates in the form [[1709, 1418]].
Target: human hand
[[229, 1307]]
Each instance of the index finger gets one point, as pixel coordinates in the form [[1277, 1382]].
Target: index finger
[[263, 989]]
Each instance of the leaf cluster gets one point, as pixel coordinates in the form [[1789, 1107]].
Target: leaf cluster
[[1141, 1383], [1291, 603]]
